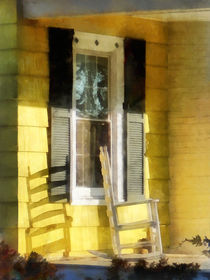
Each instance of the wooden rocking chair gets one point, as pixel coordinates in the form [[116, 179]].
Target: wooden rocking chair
[[152, 223]]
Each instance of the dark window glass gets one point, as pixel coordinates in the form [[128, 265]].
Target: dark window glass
[[90, 136], [91, 86]]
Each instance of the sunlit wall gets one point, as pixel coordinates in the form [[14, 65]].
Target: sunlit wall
[[29, 220]]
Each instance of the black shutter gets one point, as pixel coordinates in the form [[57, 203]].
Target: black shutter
[[61, 83], [134, 106], [61, 67]]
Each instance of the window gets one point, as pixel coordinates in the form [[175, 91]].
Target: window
[[90, 113]]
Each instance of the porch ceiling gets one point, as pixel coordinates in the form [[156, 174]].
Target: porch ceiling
[[162, 10]]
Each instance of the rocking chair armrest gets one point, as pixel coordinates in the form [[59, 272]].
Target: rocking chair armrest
[[143, 201]]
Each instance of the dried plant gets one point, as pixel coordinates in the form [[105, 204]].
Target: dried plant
[[198, 241], [118, 266], [155, 270], [14, 266]]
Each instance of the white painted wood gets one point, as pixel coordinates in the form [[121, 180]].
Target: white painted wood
[[136, 245], [143, 201], [135, 225], [115, 227], [112, 48], [135, 156]]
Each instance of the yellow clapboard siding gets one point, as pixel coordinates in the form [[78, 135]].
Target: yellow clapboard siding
[[114, 24], [156, 145], [22, 189], [132, 236], [190, 186], [177, 52], [32, 63], [11, 237], [8, 62], [132, 213], [8, 113], [188, 77], [8, 139], [87, 215], [49, 237], [187, 63], [159, 189], [21, 243], [156, 122], [184, 118], [8, 183], [40, 196], [189, 131], [156, 77], [8, 164], [35, 89], [199, 165], [192, 128], [89, 224], [23, 216], [158, 168], [156, 54], [156, 100], [37, 162], [8, 10], [90, 238], [165, 235], [8, 36], [8, 87], [189, 144], [32, 139], [9, 215], [188, 33], [33, 38], [186, 228], [39, 183], [34, 115], [48, 207], [193, 206], [194, 101], [163, 211], [53, 220]]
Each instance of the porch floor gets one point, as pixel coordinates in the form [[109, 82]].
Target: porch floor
[[96, 261]]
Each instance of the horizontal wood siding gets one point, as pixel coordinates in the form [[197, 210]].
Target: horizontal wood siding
[[87, 225], [156, 126], [8, 122], [189, 131]]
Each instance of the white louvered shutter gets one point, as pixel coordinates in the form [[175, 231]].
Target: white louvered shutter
[[135, 156], [60, 155]]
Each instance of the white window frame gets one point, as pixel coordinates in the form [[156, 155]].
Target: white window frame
[[112, 47]]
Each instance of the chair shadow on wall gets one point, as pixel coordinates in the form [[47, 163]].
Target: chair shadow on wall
[[49, 224]]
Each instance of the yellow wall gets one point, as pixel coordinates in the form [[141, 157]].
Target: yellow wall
[[8, 122], [88, 225], [189, 128], [177, 134], [56, 228]]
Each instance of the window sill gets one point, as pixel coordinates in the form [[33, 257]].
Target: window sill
[[88, 202]]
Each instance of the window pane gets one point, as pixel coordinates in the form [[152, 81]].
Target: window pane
[[90, 136], [90, 64], [91, 86], [102, 63]]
